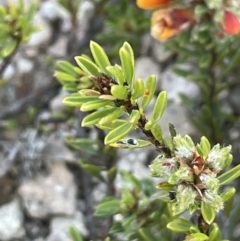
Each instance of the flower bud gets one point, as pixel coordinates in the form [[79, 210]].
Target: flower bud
[[213, 199], [150, 4], [163, 167], [166, 23], [231, 23], [184, 148], [185, 198], [217, 157]]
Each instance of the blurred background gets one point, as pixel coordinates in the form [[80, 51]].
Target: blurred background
[[43, 189]]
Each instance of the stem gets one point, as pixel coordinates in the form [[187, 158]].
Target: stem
[[8, 59]]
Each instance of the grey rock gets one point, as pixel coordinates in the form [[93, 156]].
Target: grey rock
[[53, 194], [84, 15], [175, 84], [132, 161], [59, 227], [159, 51], [11, 217], [234, 99], [42, 36], [179, 116], [56, 150], [52, 10], [9, 72], [145, 67], [24, 65], [56, 103], [99, 192], [59, 48]]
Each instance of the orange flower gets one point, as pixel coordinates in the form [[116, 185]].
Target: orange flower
[[150, 4], [231, 23], [166, 23]]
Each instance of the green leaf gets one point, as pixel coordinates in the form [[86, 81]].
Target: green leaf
[[118, 133], [112, 173], [233, 62], [119, 91], [228, 198], [147, 235], [180, 225], [31, 12], [87, 66], [127, 66], [208, 212], [112, 125], [160, 106], [205, 146], [77, 100], [129, 178], [116, 228], [111, 116], [66, 67], [200, 10], [214, 233], [134, 117], [9, 48], [92, 169], [100, 56], [229, 176], [117, 72], [138, 89], [205, 60], [62, 76], [128, 47], [227, 194], [107, 208], [75, 235], [130, 143], [149, 91], [95, 117], [149, 124], [95, 104], [157, 132], [172, 130], [198, 237]]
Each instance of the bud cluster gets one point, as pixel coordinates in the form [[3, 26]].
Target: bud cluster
[[192, 172]]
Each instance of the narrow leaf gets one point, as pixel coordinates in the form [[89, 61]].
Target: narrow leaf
[[92, 169], [107, 208], [214, 233], [66, 67], [160, 106], [119, 91], [96, 116], [117, 72], [99, 56], [208, 212], [76, 236], [198, 237], [149, 91], [95, 104], [87, 65], [138, 89], [180, 225], [118, 133], [127, 66], [205, 146], [230, 175], [77, 100], [117, 112]]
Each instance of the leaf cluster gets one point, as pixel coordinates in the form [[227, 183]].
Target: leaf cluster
[[16, 27]]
